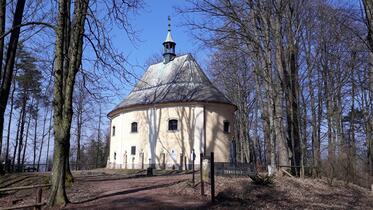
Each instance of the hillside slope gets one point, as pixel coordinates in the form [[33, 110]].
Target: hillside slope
[[285, 193], [292, 193]]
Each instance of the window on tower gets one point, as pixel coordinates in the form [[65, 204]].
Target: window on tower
[[134, 127], [133, 150], [227, 128], [172, 125], [113, 130]]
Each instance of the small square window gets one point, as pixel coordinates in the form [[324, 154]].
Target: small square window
[[227, 128], [172, 125], [113, 130], [134, 127], [133, 150]]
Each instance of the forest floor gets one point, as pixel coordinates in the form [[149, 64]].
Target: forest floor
[[131, 189]]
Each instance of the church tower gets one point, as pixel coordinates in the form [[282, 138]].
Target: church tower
[[169, 45]]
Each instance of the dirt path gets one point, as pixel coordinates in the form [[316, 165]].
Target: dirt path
[[109, 189], [133, 193]]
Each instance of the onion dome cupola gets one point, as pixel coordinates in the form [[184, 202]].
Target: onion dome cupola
[[169, 45]]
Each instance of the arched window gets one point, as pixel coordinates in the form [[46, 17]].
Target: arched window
[[134, 127], [113, 130], [172, 125], [227, 128]]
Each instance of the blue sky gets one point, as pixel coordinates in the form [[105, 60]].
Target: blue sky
[[151, 23]]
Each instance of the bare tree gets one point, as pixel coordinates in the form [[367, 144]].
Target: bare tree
[[70, 32], [368, 8], [68, 56], [311, 77], [7, 72]]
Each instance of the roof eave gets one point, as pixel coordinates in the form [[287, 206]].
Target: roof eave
[[118, 110]]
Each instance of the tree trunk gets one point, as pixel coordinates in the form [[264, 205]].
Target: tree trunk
[[42, 140], [20, 143], [64, 79], [351, 143], [294, 103], [314, 137], [26, 139], [368, 7], [282, 86], [17, 140], [9, 62], [2, 31], [327, 78], [7, 166], [49, 139], [304, 159], [318, 125], [79, 122], [35, 135], [99, 139], [57, 194], [260, 107]]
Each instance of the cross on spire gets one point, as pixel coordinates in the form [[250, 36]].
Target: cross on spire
[[169, 23]]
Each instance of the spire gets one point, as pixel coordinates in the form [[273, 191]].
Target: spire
[[169, 45], [169, 23], [169, 36]]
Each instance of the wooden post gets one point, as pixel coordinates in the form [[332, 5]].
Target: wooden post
[[201, 172], [193, 158], [164, 161], [38, 198], [125, 161], [142, 160], [212, 177], [181, 162]]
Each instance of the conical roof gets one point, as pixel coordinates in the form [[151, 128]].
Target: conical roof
[[180, 80], [169, 37]]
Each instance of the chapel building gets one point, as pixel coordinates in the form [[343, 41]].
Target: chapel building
[[172, 112]]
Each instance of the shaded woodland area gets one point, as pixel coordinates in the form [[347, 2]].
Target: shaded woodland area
[[300, 73], [57, 59], [27, 139]]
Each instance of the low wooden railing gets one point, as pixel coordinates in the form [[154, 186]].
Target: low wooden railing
[[38, 200]]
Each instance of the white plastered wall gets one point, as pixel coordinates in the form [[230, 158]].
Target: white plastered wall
[[153, 138]]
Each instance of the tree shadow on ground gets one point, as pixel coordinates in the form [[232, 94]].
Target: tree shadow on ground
[[127, 191], [108, 176], [144, 203], [140, 174], [10, 181]]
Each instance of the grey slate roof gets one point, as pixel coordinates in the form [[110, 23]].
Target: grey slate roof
[[180, 80]]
